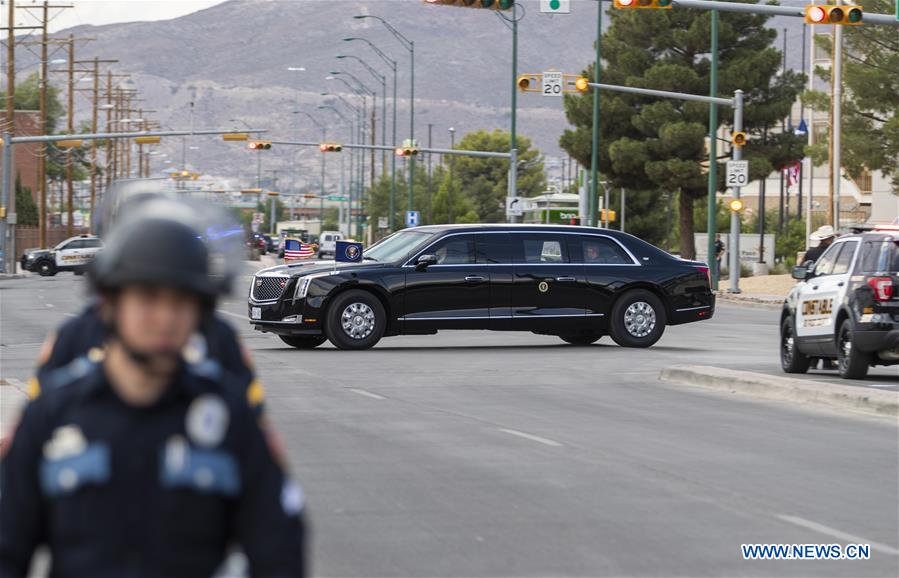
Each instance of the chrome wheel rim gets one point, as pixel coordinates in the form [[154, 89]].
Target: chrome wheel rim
[[640, 319], [787, 345], [357, 320], [845, 349]]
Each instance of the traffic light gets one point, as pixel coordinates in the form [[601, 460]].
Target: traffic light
[[664, 4], [330, 147], [582, 84], [736, 205], [406, 151], [844, 15], [259, 145], [738, 139], [142, 140], [524, 82], [612, 216], [501, 5]]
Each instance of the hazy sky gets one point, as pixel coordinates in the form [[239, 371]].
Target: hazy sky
[[109, 11]]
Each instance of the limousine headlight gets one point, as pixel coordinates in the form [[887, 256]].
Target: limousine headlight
[[303, 284]]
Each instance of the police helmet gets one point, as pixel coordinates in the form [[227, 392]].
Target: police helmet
[[155, 251]]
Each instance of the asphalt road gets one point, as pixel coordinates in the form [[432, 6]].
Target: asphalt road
[[506, 454]]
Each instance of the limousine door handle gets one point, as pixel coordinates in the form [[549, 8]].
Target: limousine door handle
[[569, 279], [475, 279]]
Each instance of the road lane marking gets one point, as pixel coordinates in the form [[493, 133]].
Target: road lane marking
[[367, 393], [223, 312], [533, 438], [822, 529]]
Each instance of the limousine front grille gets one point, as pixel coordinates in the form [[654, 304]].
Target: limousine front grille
[[268, 288]]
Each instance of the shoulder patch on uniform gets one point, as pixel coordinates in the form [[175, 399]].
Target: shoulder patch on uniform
[[33, 389], [255, 393]]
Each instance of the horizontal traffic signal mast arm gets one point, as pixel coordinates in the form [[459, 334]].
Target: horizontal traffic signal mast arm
[[795, 11], [460, 152], [120, 135], [663, 93], [484, 4]]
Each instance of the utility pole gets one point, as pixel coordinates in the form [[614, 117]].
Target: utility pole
[[430, 156], [42, 148], [70, 199], [836, 124]]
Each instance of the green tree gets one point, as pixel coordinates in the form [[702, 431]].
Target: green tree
[[870, 120], [486, 180], [26, 208], [653, 145]]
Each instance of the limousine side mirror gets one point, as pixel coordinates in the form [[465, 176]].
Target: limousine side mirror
[[424, 260]]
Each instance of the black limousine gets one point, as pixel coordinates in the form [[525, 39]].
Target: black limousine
[[578, 283]]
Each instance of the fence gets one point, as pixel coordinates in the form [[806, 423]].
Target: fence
[[29, 237]]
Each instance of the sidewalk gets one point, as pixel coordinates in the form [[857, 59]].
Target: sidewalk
[[12, 398], [769, 290]]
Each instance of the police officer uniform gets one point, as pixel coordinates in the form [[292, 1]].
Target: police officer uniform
[[120, 491], [123, 490]]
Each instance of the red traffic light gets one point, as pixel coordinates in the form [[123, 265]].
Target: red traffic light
[[406, 151], [330, 147], [259, 145]]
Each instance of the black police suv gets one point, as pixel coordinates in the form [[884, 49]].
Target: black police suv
[[845, 307], [578, 283]]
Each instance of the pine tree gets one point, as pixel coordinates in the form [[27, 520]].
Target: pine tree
[[658, 145]]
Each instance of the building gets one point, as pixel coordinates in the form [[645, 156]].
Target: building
[[25, 156]]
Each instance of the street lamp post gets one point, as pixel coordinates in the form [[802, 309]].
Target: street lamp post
[[374, 96], [359, 132], [349, 125], [321, 205], [392, 64], [410, 46], [449, 191], [383, 80]]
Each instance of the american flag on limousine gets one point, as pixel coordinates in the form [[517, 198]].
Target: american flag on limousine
[[295, 249]]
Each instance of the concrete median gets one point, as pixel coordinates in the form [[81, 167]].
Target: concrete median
[[790, 389]]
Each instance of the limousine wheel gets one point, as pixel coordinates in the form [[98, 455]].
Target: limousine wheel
[[303, 341], [638, 319], [355, 320], [586, 339]]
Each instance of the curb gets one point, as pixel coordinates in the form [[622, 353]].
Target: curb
[[4, 276], [749, 301], [773, 387]]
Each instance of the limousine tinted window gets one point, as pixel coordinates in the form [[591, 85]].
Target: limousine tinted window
[[600, 251], [537, 248], [397, 246], [457, 250]]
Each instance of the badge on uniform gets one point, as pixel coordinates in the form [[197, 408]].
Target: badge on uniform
[[348, 252], [70, 462], [207, 420]]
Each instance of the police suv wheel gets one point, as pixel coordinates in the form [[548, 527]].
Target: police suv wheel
[[355, 320], [303, 341], [852, 363], [791, 359], [585, 339], [46, 269], [638, 319]]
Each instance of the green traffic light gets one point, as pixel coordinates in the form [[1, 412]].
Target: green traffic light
[[554, 4], [506, 4], [663, 3], [855, 15]]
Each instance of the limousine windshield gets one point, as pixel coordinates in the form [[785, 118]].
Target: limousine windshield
[[396, 246]]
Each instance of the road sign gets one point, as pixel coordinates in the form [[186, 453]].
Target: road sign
[[336, 198], [412, 218], [514, 206], [737, 174], [552, 83], [382, 222], [555, 6]]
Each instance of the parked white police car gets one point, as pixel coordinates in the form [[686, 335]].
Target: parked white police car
[[845, 307], [73, 254]]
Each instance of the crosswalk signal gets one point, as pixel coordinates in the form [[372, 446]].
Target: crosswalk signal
[[259, 145], [842, 15], [406, 151], [625, 4], [738, 139], [330, 147]]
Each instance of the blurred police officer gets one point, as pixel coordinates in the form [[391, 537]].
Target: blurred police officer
[[136, 462], [215, 339]]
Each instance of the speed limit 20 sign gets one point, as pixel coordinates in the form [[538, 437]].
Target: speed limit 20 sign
[[737, 174], [552, 83]]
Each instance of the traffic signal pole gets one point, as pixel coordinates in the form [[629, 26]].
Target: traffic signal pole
[[712, 204], [737, 103], [592, 217]]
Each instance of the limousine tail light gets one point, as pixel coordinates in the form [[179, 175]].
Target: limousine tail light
[[708, 274], [883, 288]]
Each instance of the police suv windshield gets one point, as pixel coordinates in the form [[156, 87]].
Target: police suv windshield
[[396, 246]]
